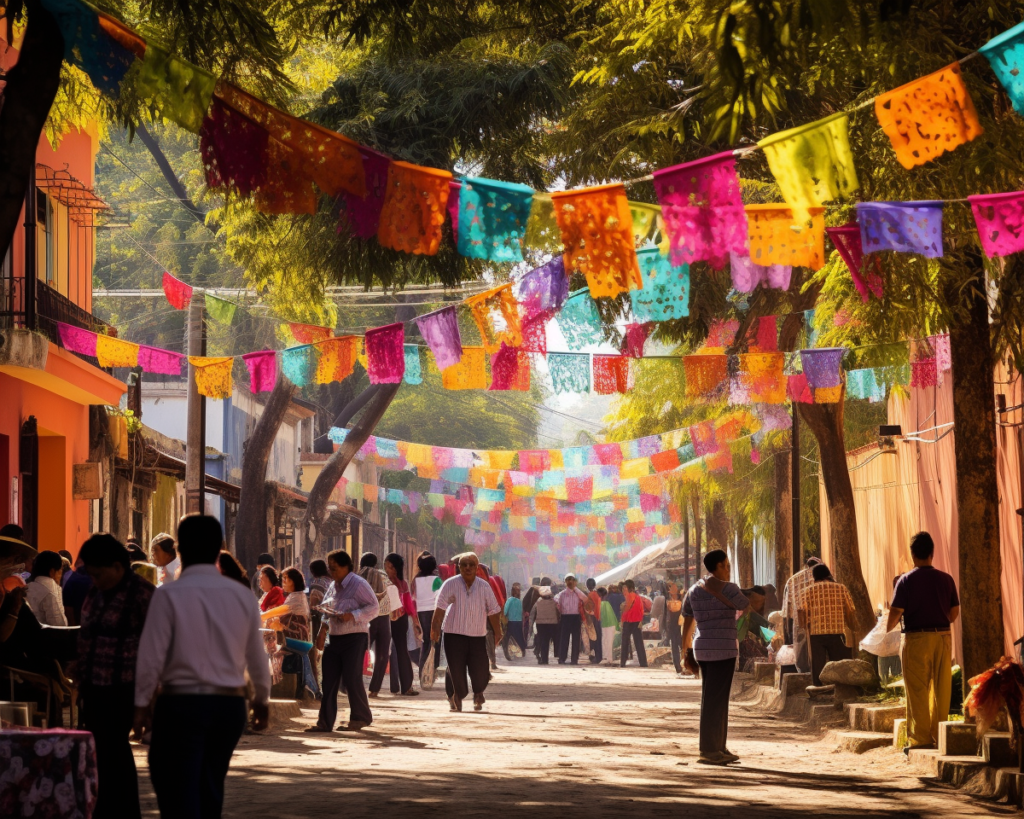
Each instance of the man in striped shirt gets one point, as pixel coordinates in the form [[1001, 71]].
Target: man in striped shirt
[[571, 601], [713, 605], [464, 605]]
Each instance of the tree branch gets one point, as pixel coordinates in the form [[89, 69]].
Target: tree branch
[[170, 177]]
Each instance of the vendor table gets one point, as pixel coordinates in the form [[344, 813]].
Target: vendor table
[[47, 774]]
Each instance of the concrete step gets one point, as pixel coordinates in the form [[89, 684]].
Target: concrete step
[[825, 715], [795, 685], [996, 750], [859, 742], [899, 734], [957, 739], [764, 673], [870, 716], [958, 770]]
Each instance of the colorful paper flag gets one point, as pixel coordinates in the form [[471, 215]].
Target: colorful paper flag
[[164, 362], [492, 219], [262, 367], [1000, 221], [414, 208], [385, 353], [777, 238], [665, 295], [77, 340], [440, 330], [177, 293], [905, 227], [213, 375], [113, 352]]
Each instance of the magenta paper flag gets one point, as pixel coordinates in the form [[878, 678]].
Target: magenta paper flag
[[866, 277], [748, 274], [703, 212], [635, 339], [821, 366], [262, 367], [77, 340], [543, 289], [906, 227], [385, 354], [155, 360], [440, 330], [177, 292], [1000, 221], [363, 213], [454, 189]]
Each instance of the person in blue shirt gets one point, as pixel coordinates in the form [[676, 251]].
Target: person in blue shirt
[[514, 614]]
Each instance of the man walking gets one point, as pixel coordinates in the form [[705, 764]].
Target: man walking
[[595, 618], [349, 607], [712, 606], [632, 626], [824, 612], [465, 605], [927, 600], [202, 634], [571, 601], [795, 635], [113, 616], [380, 626], [545, 614]]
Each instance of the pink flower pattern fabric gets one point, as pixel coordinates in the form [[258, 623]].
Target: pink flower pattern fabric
[[440, 330], [77, 340], [262, 368], [1000, 221], [155, 360], [748, 274], [866, 278], [702, 209], [385, 354], [905, 227], [821, 366]]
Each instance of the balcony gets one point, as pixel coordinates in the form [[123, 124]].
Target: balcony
[[43, 309]]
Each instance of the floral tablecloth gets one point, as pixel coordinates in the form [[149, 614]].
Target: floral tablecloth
[[46, 774]]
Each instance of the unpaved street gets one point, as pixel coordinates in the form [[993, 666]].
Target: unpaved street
[[565, 742]]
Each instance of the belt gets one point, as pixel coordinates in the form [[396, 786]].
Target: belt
[[203, 690], [927, 631]]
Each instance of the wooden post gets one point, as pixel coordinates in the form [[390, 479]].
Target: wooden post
[[195, 447], [798, 553], [686, 545]]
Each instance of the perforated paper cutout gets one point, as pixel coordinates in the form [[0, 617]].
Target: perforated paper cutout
[[491, 307], [777, 238], [492, 219], [579, 321], [1000, 221], [337, 359], [113, 352], [666, 288], [213, 375], [385, 354], [706, 375], [1005, 53], [414, 208], [440, 330], [570, 372], [469, 374], [262, 368], [612, 374], [510, 369], [905, 227], [867, 278]]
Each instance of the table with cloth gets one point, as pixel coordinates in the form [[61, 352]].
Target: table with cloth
[[47, 773]]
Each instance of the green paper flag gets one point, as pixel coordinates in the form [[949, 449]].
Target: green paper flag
[[174, 89], [220, 310]]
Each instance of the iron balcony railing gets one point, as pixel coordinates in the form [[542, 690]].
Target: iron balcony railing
[[41, 307]]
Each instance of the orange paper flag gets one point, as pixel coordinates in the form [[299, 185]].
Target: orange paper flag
[[415, 207], [486, 307], [337, 358], [776, 239], [469, 374]]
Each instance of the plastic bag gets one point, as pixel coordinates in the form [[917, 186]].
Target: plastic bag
[[786, 655], [427, 672], [880, 642]]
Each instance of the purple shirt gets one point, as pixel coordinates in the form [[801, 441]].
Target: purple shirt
[[568, 600], [926, 595], [716, 622]]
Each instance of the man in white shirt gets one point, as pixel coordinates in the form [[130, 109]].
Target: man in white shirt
[[43, 594], [571, 603], [202, 634], [165, 556], [465, 603], [348, 607]]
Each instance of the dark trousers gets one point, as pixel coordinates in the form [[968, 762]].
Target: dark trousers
[[426, 618], [193, 739], [826, 645], [715, 687], [514, 631], [108, 714], [596, 644], [343, 662], [547, 634], [380, 639], [632, 630], [466, 654], [401, 664], [675, 639], [570, 630]]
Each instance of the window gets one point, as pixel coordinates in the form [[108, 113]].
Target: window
[[46, 254]]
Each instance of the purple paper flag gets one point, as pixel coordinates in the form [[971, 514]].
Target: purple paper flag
[[364, 212], [155, 360], [1000, 221], [543, 289], [747, 274], [821, 366], [702, 209], [385, 353], [440, 330], [77, 340], [906, 227], [262, 370]]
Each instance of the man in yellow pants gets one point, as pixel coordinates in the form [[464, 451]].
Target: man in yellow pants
[[927, 601]]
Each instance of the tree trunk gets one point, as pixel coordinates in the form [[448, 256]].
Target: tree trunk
[[376, 399], [251, 535], [718, 526], [686, 545], [695, 509], [30, 90], [977, 492], [826, 423], [170, 177], [783, 518], [745, 556]]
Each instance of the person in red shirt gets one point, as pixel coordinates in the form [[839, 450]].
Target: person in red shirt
[[270, 584], [595, 618], [632, 618]]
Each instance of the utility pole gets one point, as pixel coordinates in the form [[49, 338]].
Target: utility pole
[[686, 544], [195, 447], [798, 553]]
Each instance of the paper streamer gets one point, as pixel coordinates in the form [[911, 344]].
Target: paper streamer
[[414, 208], [822, 366], [155, 360], [220, 310], [612, 374], [570, 372], [580, 321], [213, 375], [299, 364], [490, 307], [1005, 53], [336, 359], [77, 340], [469, 374], [262, 367], [113, 352], [177, 293], [777, 238], [544, 289], [362, 213], [492, 219], [510, 369]]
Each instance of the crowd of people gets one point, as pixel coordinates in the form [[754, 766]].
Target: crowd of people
[[175, 646]]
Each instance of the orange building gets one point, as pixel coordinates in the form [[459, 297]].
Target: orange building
[[47, 392]]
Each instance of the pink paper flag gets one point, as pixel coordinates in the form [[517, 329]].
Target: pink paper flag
[[1000, 221], [440, 330], [155, 360], [454, 189], [747, 274], [363, 213], [636, 338], [77, 340], [385, 353], [177, 292], [262, 368], [866, 277], [702, 209]]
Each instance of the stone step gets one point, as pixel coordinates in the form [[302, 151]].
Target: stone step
[[870, 716], [825, 715], [764, 673], [859, 742], [957, 739], [996, 750], [899, 734], [795, 685], [958, 770]]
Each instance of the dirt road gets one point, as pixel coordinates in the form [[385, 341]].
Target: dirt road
[[559, 741]]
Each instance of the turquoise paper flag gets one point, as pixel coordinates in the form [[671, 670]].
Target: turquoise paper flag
[[299, 364], [579, 320], [666, 292], [492, 219], [1005, 53], [570, 372], [413, 370]]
